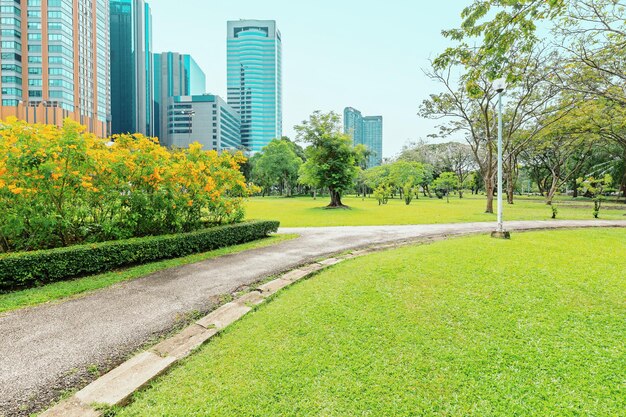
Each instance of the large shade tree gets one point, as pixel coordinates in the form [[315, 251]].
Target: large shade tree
[[331, 158]]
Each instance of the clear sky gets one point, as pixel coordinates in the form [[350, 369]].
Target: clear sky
[[366, 54]]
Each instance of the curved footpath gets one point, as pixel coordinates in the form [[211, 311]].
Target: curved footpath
[[48, 349]]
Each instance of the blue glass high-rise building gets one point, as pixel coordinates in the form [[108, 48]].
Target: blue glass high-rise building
[[254, 55], [174, 75], [131, 67], [366, 131]]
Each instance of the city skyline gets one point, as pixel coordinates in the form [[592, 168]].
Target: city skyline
[[372, 60], [325, 81]]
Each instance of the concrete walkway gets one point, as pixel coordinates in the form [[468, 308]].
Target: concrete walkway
[[56, 347]]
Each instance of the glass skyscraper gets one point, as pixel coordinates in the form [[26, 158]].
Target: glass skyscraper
[[174, 75], [366, 131], [131, 67], [55, 61], [254, 55]]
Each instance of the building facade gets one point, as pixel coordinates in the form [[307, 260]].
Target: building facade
[[206, 119], [174, 75], [55, 62], [254, 64], [132, 74], [366, 131]]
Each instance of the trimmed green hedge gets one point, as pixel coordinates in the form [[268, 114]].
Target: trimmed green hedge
[[30, 269]]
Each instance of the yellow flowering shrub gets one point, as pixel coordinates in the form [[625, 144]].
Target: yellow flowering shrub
[[63, 186]]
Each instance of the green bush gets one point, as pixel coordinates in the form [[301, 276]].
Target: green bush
[[29, 269]]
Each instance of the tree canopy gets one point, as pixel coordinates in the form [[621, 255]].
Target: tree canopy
[[331, 158]]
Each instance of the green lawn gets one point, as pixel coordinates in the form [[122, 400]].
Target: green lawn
[[304, 211], [65, 289], [472, 326]]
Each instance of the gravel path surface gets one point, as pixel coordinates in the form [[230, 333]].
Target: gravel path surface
[[49, 349]]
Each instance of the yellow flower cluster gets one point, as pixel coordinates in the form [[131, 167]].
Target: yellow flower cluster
[[60, 186]]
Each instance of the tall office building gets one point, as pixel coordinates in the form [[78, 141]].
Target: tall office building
[[55, 62], [255, 80], [174, 75], [205, 119], [131, 67], [366, 131]]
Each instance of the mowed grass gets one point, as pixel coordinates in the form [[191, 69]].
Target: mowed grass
[[304, 211], [472, 326], [64, 289]]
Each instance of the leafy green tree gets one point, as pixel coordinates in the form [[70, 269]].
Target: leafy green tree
[[407, 176], [331, 158], [474, 182], [446, 182], [594, 187], [279, 165], [257, 176], [469, 113], [452, 156], [377, 176], [561, 150], [492, 30], [382, 193], [363, 154]]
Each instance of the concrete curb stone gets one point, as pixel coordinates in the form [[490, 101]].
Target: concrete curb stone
[[185, 342], [118, 385], [273, 287], [253, 298], [72, 407], [330, 261], [223, 316]]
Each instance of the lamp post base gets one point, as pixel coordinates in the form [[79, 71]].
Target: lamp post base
[[501, 234]]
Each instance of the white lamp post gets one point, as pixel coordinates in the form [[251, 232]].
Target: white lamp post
[[500, 86]]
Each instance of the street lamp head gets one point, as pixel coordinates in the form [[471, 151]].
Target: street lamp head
[[499, 85]]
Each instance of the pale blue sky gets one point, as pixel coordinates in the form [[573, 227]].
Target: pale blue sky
[[366, 54]]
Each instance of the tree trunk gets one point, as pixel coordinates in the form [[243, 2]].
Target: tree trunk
[[489, 190], [510, 190], [335, 199], [551, 193], [509, 173], [624, 177]]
